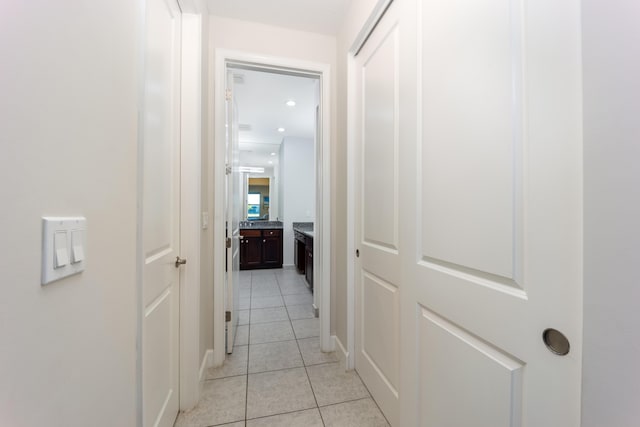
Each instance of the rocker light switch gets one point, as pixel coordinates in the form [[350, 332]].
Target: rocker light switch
[[64, 242], [77, 246], [60, 251]]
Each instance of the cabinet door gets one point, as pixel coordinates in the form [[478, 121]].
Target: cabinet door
[[250, 249], [299, 255], [253, 251], [309, 265], [272, 250]]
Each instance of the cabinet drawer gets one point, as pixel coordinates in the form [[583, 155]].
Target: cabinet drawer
[[250, 233], [270, 233]]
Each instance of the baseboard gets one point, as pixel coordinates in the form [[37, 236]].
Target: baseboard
[[343, 355], [217, 357], [207, 362]]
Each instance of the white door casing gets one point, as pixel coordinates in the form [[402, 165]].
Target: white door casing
[[489, 195], [323, 196], [233, 206], [160, 238]]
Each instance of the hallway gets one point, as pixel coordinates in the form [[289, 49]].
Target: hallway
[[277, 375]]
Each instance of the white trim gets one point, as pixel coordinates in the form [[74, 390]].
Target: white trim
[[142, 25], [219, 249], [351, 230], [343, 354], [207, 362], [323, 197], [367, 28], [190, 207], [196, 7]]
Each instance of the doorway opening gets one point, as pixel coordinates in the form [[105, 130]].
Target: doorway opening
[[275, 111]]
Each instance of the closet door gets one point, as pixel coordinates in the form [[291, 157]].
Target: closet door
[[491, 178], [469, 213]]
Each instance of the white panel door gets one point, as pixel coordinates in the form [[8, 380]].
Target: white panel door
[[161, 213], [492, 183], [469, 217], [378, 276], [233, 206]]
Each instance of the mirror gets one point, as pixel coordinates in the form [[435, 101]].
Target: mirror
[[257, 198]]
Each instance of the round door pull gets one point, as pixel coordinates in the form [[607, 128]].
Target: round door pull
[[180, 261], [556, 342]]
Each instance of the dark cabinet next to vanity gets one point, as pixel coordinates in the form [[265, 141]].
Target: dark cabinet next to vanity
[[271, 248], [303, 250], [260, 248], [308, 268], [299, 254]]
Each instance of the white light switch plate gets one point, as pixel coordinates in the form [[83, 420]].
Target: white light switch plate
[[64, 241]]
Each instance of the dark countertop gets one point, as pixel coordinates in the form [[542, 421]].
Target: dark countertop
[[305, 228], [260, 225]]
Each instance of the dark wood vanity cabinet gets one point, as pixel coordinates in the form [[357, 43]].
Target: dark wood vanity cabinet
[[308, 268], [299, 254], [260, 249], [272, 248], [250, 249]]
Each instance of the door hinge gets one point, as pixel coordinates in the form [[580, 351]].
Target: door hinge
[[228, 242], [227, 316], [227, 94], [228, 170]]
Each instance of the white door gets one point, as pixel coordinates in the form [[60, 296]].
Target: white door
[[233, 206], [161, 213], [471, 228], [378, 275]]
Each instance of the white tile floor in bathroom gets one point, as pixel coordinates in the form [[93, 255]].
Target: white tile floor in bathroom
[[277, 375]]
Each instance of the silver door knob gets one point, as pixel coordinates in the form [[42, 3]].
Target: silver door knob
[[180, 261]]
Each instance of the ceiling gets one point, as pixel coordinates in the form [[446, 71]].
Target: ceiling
[[316, 16], [261, 107]]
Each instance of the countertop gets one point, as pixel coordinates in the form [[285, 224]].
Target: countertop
[[260, 225], [305, 228]]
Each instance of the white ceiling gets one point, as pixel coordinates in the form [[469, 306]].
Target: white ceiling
[[316, 16], [261, 101]]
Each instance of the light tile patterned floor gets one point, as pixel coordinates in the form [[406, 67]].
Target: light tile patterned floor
[[277, 375]]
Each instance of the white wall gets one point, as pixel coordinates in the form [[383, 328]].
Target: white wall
[[611, 55], [68, 137], [298, 188]]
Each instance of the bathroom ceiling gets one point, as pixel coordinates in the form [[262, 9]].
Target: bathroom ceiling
[[316, 16], [261, 99]]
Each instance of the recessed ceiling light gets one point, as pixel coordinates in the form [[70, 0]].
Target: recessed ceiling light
[[273, 154], [270, 162], [291, 103], [280, 129]]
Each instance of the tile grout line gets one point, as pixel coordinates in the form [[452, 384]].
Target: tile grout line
[[304, 364], [371, 397], [306, 371], [299, 352], [315, 399], [246, 391]]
